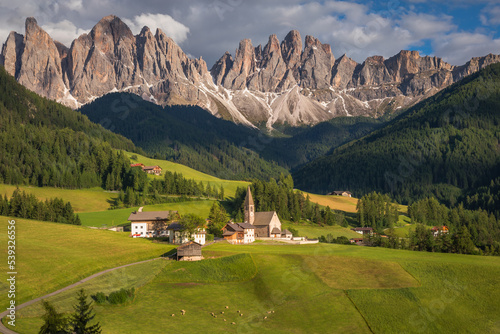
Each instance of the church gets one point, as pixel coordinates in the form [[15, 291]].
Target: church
[[267, 224]]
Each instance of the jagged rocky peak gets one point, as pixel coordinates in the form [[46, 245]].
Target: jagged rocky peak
[[291, 49]]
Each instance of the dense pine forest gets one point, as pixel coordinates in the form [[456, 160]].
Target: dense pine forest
[[446, 146], [43, 143]]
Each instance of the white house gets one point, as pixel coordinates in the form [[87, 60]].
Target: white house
[[142, 224]]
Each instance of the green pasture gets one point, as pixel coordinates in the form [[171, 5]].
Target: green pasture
[[321, 288], [82, 200], [50, 256], [314, 231], [119, 216]]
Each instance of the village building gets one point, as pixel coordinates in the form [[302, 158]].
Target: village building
[[363, 230], [285, 234], [178, 235], [357, 241], [137, 165], [190, 251], [341, 193], [155, 170], [239, 233], [439, 230], [267, 224], [142, 224]]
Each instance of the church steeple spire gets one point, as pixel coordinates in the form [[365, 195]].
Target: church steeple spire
[[249, 207]]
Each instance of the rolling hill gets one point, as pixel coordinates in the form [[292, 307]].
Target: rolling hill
[[274, 288]]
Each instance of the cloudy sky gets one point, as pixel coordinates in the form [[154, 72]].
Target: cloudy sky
[[455, 31]]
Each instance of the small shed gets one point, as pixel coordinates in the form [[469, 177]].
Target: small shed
[[190, 251], [285, 234]]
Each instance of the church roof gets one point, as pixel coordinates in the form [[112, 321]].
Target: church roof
[[276, 231], [248, 198], [263, 218]]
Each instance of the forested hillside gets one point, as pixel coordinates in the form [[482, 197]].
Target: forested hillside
[[446, 146], [43, 143], [185, 134]]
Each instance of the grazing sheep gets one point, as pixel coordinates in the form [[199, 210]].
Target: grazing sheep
[[227, 306], [265, 318], [173, 315], [233, 323]]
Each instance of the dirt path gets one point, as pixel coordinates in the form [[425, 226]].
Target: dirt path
[[5, 330]]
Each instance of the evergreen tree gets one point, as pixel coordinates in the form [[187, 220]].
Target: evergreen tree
[[218, 219], [83, 315], [54, 322]]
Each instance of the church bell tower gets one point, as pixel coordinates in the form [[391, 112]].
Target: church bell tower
[[249, 207]]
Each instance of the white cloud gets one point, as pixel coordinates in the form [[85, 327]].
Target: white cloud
[[458, 48], [64, 31], [490, 16], [172, 28]]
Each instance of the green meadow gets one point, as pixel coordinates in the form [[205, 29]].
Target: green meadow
[[279, 288], [119, 216], [314, 231], [82, 200], [51, 256]]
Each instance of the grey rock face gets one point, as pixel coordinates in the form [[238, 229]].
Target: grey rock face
[[288, 82]]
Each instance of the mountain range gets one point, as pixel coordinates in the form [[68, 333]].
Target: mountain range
[[282, 83]]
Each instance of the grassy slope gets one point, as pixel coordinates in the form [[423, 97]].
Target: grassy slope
[[189, 173], [82, 200], [346, 204], [311, 288], [50, 256], [313, 231]]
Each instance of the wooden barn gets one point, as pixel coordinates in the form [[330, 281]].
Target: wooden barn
[[190, 251]]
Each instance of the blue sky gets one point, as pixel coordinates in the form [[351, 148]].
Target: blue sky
[[453, 30]]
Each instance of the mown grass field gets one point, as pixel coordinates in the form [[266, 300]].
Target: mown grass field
[[50, 256], [119, 216], [346, 204], [82, 200], [189, 173], [320, 288]]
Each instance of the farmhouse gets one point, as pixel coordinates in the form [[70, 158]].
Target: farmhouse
[[190, 251], [341, 193], [156, 170], [178, 235], [439, 230], [363, 230], [149, 224], [267, 224], [239, 233]]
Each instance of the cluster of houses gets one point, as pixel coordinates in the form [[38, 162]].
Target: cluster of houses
[[155, 170], [262, 225], [344, 193]]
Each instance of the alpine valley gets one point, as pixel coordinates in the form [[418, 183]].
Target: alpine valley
[[280, 190]]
